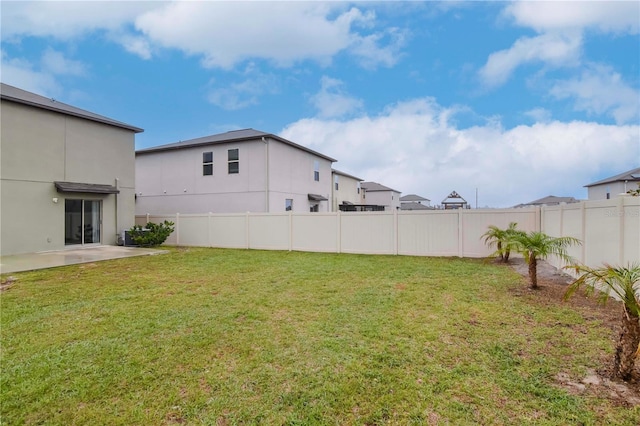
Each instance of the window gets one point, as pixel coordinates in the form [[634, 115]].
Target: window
[[314, 208], [358, 187], [335, 181], [234, 161], [316, 171], [288, 204], [207, 163]]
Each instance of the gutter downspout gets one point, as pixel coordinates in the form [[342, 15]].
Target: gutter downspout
[[116, 207], [266, 174]]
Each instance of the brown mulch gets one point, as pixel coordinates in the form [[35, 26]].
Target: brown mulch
[[601, 383]]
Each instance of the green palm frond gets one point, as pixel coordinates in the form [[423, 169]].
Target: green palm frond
[[621, 283]]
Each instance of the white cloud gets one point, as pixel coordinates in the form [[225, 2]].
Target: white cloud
[[245, 93], [55, 62], [600, 90], [21, 73], [539, 115], [66, 20], [332, 100], [604, 16], [554, 49], [226, 33], [414, 147], [561, 26]]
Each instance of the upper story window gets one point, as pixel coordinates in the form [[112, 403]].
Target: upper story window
[[335, 182], [358, 187], [207, 163], [288, 204], [316, 170], [234, 161]]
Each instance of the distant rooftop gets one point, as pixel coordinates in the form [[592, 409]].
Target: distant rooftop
[[231, 136], [550, 200], [375, 186], [632, 175], [14, 94], [413, 197], [454, 198]]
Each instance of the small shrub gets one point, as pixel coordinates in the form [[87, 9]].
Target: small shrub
[[152, 234]]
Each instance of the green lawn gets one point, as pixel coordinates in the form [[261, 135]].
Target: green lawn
[[211, 336]]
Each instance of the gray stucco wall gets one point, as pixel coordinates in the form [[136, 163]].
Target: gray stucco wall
[[38, 147]]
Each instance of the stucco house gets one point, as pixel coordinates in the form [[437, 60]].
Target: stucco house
[[66, 176], [414, 202], [614, 186], [346, 190], [378, 194], [234, 172]]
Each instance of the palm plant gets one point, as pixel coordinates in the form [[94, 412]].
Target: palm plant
[[535, 246], [501, 239], [623, 283]]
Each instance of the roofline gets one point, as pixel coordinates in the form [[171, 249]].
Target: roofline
[[338, 172], [616, 178], [80, 113], [190, 144]]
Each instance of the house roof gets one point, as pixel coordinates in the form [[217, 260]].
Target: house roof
[[14, 94], [413, 197], [232, 136], [338, 172], [632, 175], [412, 205], [549, 200], [454, 198], [375, 186]]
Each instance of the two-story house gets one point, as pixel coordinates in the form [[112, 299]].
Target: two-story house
[[346, 190], [233, 172], [377, 194], [613, 186], [66, 175]]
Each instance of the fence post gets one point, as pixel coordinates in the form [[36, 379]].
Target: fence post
[[583, 233], [246, 230], [209, 230], [460, 235], [147, 218], [339, 231], [621, 214], [290, 230], [177, 229], [395, 231]]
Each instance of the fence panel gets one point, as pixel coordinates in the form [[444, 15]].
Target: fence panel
[[228, 231], [269, 231], [432, 234], [315, 232], [368, 233]]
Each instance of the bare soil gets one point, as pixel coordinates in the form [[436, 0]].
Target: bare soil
[[600, 383]]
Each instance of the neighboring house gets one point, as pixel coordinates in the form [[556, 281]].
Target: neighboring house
[[346, 190], [414, 202], [614, 185], [380, 195], [455, 201], [66, 176], [550, 200], [233, 172]]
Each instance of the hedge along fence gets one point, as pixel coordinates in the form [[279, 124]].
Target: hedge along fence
[[417, 233]]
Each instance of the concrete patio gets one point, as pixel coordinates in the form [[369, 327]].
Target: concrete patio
[[52, 259]]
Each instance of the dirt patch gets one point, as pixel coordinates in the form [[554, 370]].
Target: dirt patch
[[553, 284]]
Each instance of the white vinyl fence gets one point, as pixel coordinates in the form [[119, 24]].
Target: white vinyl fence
[[609, 230], [418, 233]]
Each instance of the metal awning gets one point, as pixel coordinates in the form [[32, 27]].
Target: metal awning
[[90, 188], [316, 197]]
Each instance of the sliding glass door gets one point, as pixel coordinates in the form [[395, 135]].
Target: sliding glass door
[[82, 221]]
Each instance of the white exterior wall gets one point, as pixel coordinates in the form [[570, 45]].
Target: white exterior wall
[[39, 147], [389, 199], [169, 182], [348, 190], [615, 189]]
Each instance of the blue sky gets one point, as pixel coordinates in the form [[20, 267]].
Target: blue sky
[[519, 100]]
